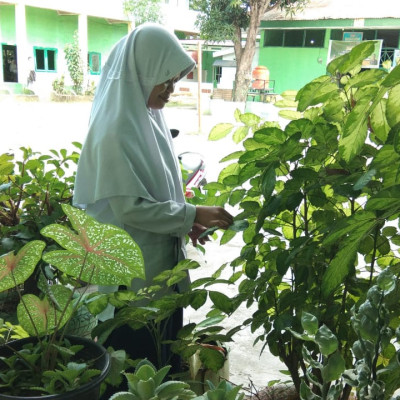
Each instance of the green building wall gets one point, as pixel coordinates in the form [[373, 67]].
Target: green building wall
[[49, 30], [102, 36], [45, 28], [7, 25], [293, 67]]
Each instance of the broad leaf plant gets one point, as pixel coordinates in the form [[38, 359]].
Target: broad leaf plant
[[321, 195], [91, 252]]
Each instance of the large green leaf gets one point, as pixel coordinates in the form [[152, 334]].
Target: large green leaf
[[334, 368], [309, 323], [355, 130], [250, 119], [358, 227], [270, 136], [326, 340], [16, 269], [379, 123], [348, 62], [220, 131], [369, 77], [317, 91], [240, 134], [393, 106], [98, 253], [212, 358], [268, 180], [393, 78], [45, 314]]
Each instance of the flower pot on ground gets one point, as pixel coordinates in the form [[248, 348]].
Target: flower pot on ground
[[203, 351], [200, 376], [94, 253], [87, 384]]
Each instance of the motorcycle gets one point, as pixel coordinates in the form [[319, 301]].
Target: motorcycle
[[194, 169]]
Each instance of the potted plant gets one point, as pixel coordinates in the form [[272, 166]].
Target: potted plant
[[33, 186], [146, 383], [321, 195], [50, 364]]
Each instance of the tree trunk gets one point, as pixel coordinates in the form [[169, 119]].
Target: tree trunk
[[244, 55]]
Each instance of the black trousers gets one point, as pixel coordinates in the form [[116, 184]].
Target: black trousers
[[139, 344]]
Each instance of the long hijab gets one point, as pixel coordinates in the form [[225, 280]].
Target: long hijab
[[128, 150]]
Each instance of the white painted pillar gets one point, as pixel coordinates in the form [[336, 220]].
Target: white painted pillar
[[21, 42], [83, 45]]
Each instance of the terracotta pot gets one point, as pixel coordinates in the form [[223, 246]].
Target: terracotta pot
[[260, 73]]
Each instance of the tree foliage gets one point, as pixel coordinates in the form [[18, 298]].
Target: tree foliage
[[322, 198], [75, 63], [143, 10], [221, 20]]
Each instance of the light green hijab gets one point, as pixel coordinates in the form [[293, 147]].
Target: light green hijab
[[128, 150]]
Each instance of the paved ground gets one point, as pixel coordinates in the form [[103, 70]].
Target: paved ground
[[48, 125]]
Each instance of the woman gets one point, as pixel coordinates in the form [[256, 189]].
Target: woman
[[128, 174]]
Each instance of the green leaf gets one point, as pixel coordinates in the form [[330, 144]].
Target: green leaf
[[309, 323], [98, 253], [16, 269], [221, 301], [123, 396], [268, 180], [368, 77], [393, 106], [360, 226], [250, 120], [317, 91], [385, 199], [240, 134], [212, 359], [393, 78], [355, 130], [306, 393], [290, 114], [326, 340], [209, 231], [219, 131], [45, 314], [348, 62], [364, 179], [270, 136], [239, 225], [379, 123], [334, 369]]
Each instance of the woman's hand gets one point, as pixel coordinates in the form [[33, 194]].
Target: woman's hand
[[213, 216], [194, 234]]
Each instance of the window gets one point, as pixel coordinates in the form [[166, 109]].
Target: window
[[390, 37], [45, 59], [294, 37], [314, 38], [273, 37], [94, 61]]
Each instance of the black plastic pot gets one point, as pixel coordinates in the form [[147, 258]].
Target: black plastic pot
[[89, 391]]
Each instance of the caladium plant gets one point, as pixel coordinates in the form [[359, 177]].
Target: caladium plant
[[92, 253]]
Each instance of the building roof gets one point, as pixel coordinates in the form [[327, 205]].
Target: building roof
[[340, 9]]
